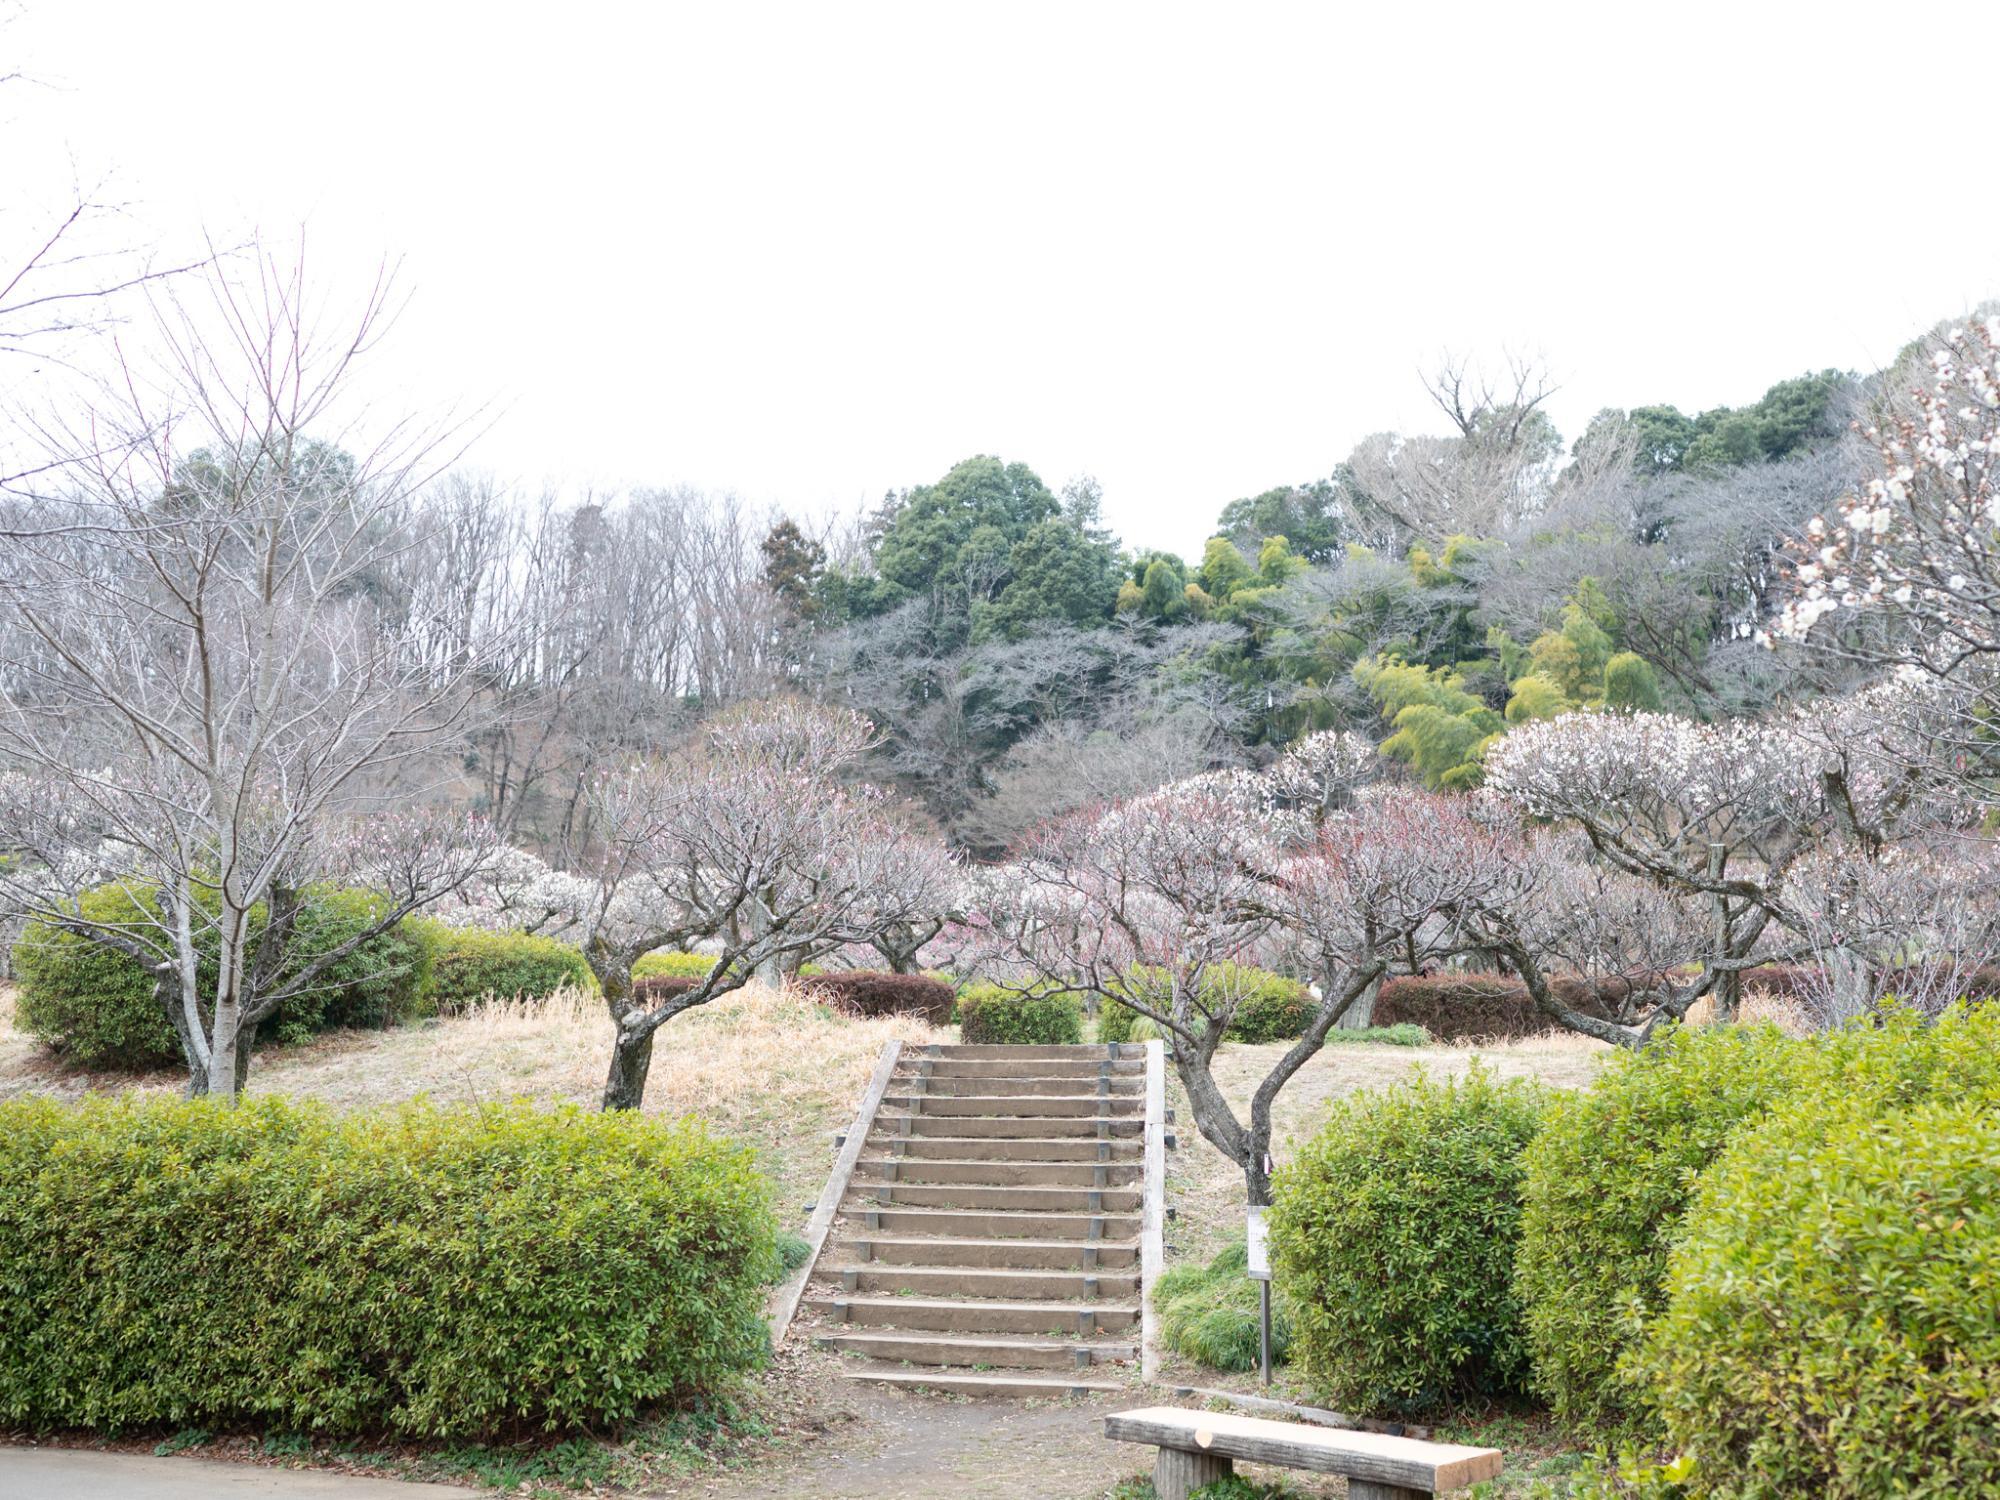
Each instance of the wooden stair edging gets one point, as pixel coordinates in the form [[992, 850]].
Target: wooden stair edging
[[1153, 1211], [783, 1306]]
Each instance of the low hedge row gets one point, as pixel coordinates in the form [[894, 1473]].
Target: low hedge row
[[991, 1016], [417, 1271], [1269, 1007], [868, 992], [1462, 1007]]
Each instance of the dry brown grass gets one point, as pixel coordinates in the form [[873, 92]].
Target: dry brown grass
[[764, 1066], [1207, 1189]]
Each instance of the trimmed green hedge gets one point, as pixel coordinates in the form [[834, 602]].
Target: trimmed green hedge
[[1393, 1239], [470, 963], [417, 1271], [664, 963], [1270, 1007], [1606, 1183], [96, 1006], [1833, 1322], [990, 1015]]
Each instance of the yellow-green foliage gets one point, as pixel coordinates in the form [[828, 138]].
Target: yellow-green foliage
[[1833, 1316], [418, 1271], [1269, 1007], [1393, 1236], [469, 963], [664, 962], [990, 1015], [1605, 1185], [1441, 730]]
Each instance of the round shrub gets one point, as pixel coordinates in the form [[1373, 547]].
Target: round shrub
[[1269, 1007], [1393, 1235], [91, 1003], [1833, 1321], [665, 963], [96, 1006], [470, 963], [416, 1271], [1605, 1185], [990, 1015], [380, 983]]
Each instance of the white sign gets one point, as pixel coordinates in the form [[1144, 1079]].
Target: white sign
[[1260, 1246]]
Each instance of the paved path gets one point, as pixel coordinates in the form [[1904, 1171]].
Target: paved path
[[84, 1474]]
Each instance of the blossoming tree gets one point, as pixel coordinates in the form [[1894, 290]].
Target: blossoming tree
[[1151, 903], [744, 842]]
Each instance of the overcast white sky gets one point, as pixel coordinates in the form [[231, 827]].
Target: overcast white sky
[[807, 253]]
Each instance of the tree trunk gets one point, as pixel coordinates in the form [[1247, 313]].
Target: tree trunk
[[1851, 984], [631, 1060], [1361, 1014]]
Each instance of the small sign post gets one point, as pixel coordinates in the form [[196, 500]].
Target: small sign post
[[1258, 1242]]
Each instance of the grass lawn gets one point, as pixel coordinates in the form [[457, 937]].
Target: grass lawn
[[781, 1074]]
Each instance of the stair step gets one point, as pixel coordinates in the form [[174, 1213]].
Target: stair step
[[943, 1086], [885, 1248], [996, 1052], [1125, 1148], [1014, 1106], [986, 1223], [1023, 1128], [1026, 1067], [980, 1383], [1084, 1287], [972, 1316], [979, 1353], [1024, 1173], [1011, 1199]]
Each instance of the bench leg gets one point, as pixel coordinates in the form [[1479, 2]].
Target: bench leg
[[1177, 1475], [1368, 1489]]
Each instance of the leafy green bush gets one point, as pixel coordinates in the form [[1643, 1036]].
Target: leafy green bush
[[96, 1005], [1269, 1007], [1833, 1317], [470, 963], [416, 1271], [664, 963], [380, 983], [1606, 1183], [1210, 1313], [990, 1015], [1393, 1236]]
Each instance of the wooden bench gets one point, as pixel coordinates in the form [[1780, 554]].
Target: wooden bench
[[1200, 1447]]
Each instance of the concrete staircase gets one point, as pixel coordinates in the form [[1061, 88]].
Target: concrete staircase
[[990, 1239]]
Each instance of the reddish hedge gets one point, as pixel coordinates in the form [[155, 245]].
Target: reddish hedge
[[1802, 982], [869, 992], [1457, 1007]]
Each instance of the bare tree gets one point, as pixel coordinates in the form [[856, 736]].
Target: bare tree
[[206, 682], [741, 841]]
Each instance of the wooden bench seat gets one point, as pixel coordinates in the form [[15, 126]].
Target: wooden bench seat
[[1199, 1447]]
